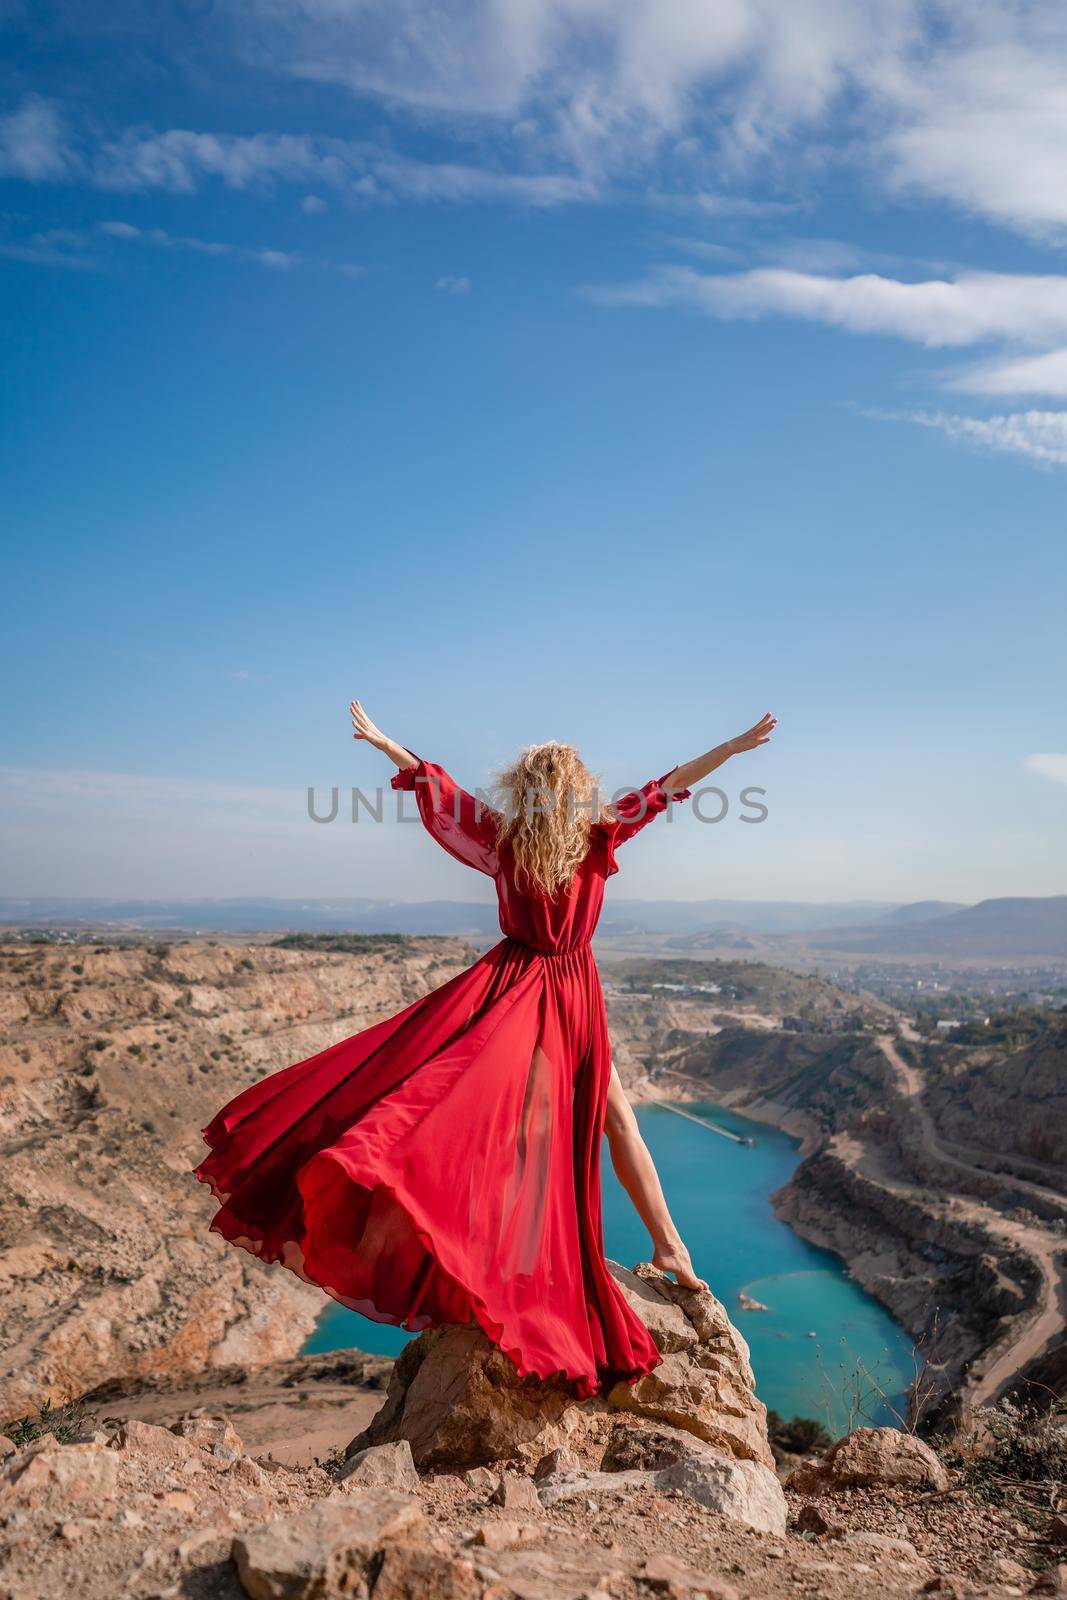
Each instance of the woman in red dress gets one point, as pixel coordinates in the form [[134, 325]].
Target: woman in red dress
[[443, 1165]]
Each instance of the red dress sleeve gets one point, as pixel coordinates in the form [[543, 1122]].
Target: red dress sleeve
[[634, 811], [461, 824]]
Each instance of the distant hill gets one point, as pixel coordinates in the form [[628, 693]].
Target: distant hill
[[924, 911], [256, 915], [253, 915], [1008, 928], [995, 929]]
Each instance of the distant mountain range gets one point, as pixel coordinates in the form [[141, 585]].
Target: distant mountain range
[[995, 928], [1005, 928], [442, 916]]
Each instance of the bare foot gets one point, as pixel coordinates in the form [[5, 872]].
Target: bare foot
[[677, 1260]]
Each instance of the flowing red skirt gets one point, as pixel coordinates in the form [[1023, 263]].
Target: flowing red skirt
[[443, 1167]]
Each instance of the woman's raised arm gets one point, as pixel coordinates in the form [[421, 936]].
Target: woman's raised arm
[[691, 772], [366, 729], [459, 821]]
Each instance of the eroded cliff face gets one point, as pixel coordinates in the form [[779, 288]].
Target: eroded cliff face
[[111, 1061], [945, 1278], [970, 1090]]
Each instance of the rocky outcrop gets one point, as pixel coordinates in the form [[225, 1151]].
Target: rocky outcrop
[[704, 1384], [872, 1458], [694, 1424], [111, 1061]]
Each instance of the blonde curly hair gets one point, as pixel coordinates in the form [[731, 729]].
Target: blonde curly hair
[[548, 802]]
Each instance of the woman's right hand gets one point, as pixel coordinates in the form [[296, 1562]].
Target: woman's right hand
[[365, 728], [758, 735]]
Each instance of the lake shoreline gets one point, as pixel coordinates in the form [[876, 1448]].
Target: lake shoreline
[[805, 1318]]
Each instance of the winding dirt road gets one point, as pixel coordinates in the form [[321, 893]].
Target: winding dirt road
[[1034, 1332]]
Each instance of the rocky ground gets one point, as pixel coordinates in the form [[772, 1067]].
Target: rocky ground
[[474, 1486]]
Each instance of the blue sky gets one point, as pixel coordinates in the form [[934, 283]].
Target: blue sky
[[602, 372]]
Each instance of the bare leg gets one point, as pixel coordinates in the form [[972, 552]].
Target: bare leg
[[637, 1173]]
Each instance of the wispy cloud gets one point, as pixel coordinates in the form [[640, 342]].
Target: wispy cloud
[[449, 285], [33, 143], [1048, 766], [1042, 374], [1038, 436], [274, 260], [52, 247], [181, 160], [968, 309]]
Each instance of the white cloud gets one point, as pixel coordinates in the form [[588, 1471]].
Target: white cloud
[[180, 160], [312, 205], [956, 100], [52, 247], [1039, 436], [982, 120], [1043, 374], [274, 260], [33, 144], [734, 107], [599, 82], [965, 310], [1048, 766], [277, 260], [449, 285]]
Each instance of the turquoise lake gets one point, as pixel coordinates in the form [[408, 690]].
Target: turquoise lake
[[719, 1193]]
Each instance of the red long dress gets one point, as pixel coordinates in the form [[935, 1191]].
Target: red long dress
[[443, 1165]]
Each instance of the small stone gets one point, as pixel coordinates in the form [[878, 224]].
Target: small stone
[[516, 1493], [77, 1471], [872, 1458], [153, 1445], [6, 1447], [383, 1466], [505, 1534], [881, 1546], [247, 1472], [558, 1460], [810, 1519], [415, 1572], [747, 1491], [325, 1549], [666, 1575], [481, 1480], [208, 1431]]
